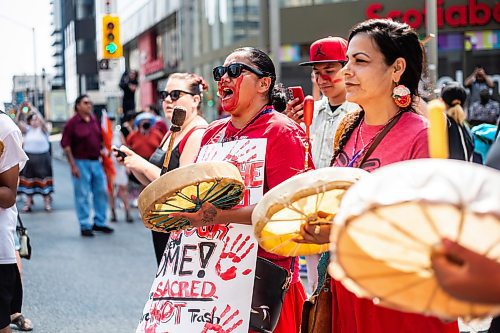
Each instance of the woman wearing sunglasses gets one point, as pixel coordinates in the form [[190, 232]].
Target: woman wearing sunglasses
[[182, 89], [247, 91]]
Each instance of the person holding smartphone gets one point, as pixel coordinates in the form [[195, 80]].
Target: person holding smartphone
[[326, 56]]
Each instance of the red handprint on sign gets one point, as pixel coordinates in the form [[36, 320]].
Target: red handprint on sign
[[225, 325], [228, 259]]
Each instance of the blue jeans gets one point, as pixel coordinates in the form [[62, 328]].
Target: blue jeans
[[92, 179]]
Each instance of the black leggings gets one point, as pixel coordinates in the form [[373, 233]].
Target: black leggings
[[11, 293]]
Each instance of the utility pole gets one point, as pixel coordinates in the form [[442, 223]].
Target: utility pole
[[275, 35], [432, 57]]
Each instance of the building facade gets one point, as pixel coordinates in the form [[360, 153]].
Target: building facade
[[57, 44], [162, 37]]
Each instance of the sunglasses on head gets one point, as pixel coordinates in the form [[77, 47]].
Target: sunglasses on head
[[174, 94], [234, 70]]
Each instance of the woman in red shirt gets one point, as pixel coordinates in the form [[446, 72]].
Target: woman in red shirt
[[246, 87], [382, 55]]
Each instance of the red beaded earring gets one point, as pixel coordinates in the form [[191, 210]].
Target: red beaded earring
[[401, 95]]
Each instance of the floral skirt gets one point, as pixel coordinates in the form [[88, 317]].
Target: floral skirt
[[36, 177]]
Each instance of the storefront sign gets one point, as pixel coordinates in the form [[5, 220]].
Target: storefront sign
[[153, 66], [474, 13]]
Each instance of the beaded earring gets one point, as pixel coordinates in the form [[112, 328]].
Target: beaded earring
[[401, 95]]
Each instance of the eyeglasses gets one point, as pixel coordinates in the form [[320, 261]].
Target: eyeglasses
[[234, 70], [174, 94]]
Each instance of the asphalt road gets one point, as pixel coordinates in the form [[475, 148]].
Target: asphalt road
[[75, 284]]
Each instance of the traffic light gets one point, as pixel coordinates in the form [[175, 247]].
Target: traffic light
[[111, 46]]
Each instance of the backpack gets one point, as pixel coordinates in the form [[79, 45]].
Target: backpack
[[484, 136], [460, 141]]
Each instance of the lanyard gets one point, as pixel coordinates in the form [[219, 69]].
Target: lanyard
[[223, 139]]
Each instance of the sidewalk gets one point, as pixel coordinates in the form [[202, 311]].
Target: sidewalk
[[57, 151]]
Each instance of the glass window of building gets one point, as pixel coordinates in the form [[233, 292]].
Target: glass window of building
[[300, 3], [84, 9], [85, 46], [92, 82]]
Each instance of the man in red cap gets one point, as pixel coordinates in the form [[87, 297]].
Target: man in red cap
[[326, 56]]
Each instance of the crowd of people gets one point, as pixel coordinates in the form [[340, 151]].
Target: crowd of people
[[370, 115]]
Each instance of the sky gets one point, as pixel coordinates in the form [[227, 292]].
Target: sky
[[16, 41]]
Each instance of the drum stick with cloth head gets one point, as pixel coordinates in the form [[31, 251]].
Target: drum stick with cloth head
[[178, 118], [308, 117]]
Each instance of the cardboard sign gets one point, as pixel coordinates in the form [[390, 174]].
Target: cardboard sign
[[205, 279]]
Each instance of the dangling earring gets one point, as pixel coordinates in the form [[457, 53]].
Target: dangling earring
[[401, 95]]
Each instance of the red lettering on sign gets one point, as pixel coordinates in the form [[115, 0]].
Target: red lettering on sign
[[413, 17], [394, 14], [194, 286], [474, 13], [496, 12], [479, 14], [373, 10], [456, 16], [217, 231], [184, 289], [208, 289]]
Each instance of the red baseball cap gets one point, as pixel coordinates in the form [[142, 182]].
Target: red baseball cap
[[329, 49]]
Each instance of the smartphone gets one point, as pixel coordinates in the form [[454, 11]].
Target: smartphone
[[119, 153], [296, 92]]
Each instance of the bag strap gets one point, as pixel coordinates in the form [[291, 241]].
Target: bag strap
[[380, 136], [20, 222]]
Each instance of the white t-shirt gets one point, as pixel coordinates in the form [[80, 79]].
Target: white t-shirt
[[12, 154], [36, 141]]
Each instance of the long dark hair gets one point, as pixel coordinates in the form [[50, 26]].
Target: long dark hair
[[394, 40], [276, 93]]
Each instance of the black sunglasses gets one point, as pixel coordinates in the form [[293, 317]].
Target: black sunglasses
[[234, 70], [174, 94]]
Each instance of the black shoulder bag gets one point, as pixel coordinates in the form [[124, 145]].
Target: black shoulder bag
[[24, 240], [269, 290]]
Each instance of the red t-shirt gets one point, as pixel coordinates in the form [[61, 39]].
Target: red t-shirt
[[405, 141], [144, 145], [285, 153]]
